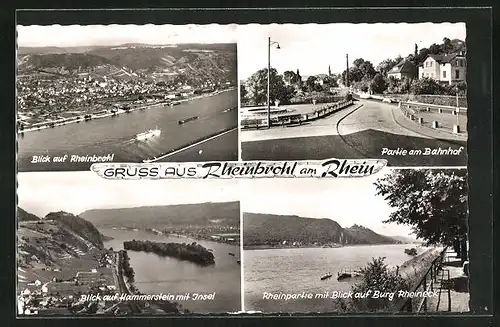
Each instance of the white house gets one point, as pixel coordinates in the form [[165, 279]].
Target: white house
[[448, 69], [403, 69]]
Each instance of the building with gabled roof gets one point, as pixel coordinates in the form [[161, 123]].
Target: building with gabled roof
[[403, 70], [446, 68]]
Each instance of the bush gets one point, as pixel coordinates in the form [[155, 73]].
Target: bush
[[308, 99], [376, 277]]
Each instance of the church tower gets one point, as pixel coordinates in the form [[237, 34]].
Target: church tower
[[329, 71]]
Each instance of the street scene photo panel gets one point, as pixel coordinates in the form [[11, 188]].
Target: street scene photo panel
[[391, 91]]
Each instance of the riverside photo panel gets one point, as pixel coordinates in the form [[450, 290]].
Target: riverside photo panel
[[125, 93], [393, 242], [308, 91]]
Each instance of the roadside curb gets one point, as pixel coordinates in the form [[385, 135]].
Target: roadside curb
[[342, 137], [414, 130]]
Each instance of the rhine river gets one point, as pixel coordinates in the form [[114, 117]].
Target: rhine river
[[299, 270], [116, 135], [155, 274]]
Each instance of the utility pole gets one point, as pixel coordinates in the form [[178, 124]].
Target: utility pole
[[347, 71], [268, 82], [458, 110]]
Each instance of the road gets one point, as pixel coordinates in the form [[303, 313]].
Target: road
[[122, 285], [360, 131]]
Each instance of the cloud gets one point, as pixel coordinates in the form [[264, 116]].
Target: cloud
[[85, 35]]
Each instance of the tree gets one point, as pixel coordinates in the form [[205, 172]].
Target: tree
[[257, 87], [367, 69], [426, 86], [415, 53], [447, 46], [377, 276], [433, 202], [243, 92], [311, 83], [422, 55], [355, 75], [330, 81], [358, 62], [378, 84], [435, 49], [386, 65], [290, 77], [299, 78]]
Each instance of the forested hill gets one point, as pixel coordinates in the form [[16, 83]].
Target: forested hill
[[198, 214], [267, 229]]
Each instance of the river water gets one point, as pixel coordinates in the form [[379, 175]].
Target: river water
[[116, 134], [155, 274], [299, 270]]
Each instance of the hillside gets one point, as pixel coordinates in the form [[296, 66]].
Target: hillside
[[367, 236], [262, 229], [25, 216], [200, 214], [267, 229], [405, 239], [58, 236], [191, 63], [78, 226]]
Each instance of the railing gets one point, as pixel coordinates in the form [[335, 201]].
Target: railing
[[417, 107], [293, 118], [425, 283]]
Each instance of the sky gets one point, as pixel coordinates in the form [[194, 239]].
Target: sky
[[348, 201], [111, 35], [312, 47], [42, 192]]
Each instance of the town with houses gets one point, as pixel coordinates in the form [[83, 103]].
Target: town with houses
[[47, 102], [444, 64]]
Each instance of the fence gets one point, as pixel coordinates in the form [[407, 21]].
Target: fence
[[426, 283], [292, 118], [446, 100], [418, 107]]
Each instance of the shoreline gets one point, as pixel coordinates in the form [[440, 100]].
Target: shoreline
[[191, 144], [78, 119], [173, 235], [268, 247]]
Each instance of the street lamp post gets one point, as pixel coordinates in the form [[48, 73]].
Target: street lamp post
[[269, 43], [458, 110]]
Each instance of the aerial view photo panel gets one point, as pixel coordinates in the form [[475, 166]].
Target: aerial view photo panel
[[125, 93]]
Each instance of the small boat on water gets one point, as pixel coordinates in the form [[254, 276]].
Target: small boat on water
[[326, 276], [231, 254], [148, 134], [346, 274], [239, 262], [182, 121]]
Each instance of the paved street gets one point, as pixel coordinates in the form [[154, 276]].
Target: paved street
[[359, 131]]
